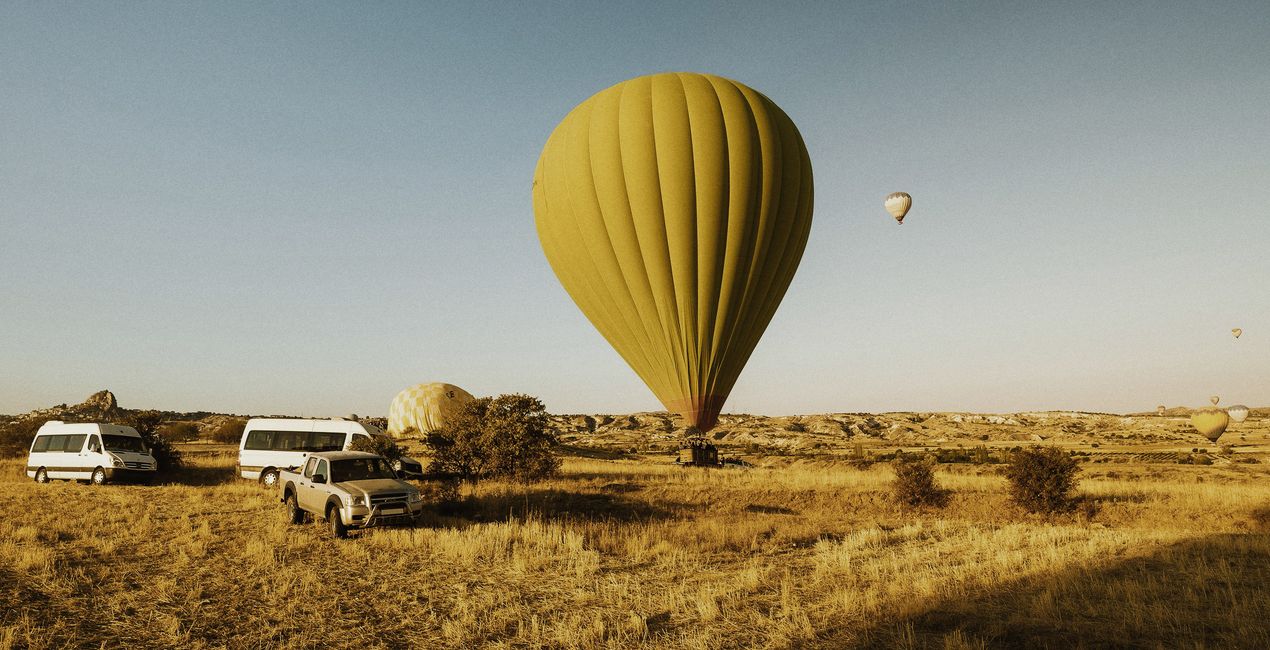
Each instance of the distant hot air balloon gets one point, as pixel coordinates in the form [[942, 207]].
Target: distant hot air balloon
[[1210, 422], [1238, 413], [1238, 332], [674, 209], [898, 204], [424, 407], [1214, 399], [1159, 410]]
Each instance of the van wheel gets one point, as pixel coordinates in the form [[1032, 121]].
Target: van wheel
[[336, 522], [99, 476], [41, 475], [294, 514], [270, 478]]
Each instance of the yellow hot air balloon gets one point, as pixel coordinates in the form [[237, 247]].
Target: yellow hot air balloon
[[1238, 332], [1210, 422], [1214, 399], [1238, 413], [898, 203], [424, 407], [674, 208]]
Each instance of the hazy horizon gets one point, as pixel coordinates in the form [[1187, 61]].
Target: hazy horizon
[[254, 209]]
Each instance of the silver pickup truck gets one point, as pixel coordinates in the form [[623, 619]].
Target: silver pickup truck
[[349, 489]]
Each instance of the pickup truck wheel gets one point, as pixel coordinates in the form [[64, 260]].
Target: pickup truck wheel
[[294, 513], [270, 478], [41, 475], [99, 476], [336, 522]]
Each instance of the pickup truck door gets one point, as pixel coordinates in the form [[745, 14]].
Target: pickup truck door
[[303, 485], [313, 495]]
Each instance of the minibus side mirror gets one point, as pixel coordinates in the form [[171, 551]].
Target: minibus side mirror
[[319, 478]]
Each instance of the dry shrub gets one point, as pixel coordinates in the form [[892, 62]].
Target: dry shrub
[[915, 484], [1042, 479], [230, 432]]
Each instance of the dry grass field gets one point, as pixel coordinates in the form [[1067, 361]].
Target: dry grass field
[[637, 553]]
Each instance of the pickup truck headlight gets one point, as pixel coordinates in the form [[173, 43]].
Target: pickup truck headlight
[[415, 497], [359, 501]]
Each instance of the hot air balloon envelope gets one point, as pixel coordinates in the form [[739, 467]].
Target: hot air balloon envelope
[[1210, 422], [674, 208], [424, 407], [1237, 332], [1238, 413], [898, 204]]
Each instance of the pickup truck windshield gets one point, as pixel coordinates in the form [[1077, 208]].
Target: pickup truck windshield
[[360, 469], [122, 443]]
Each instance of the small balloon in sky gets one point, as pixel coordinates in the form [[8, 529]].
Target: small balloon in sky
[[898, 204], [1214, 399], [1238, 413], [1238, 332]]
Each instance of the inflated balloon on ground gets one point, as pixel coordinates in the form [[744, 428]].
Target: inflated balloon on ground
[[1210, 422], [674, 208], [424, 407]]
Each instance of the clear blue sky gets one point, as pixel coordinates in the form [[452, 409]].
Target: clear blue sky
[[266, 208]]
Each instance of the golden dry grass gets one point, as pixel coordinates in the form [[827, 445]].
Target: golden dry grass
[[635, 554]]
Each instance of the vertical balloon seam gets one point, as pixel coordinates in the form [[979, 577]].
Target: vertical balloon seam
[[641, 337], [630, 145], [613, 329], [583, 287], [770, 206], [681, 241], [749, 223], [767, 178], [667, 312], [712, 270]]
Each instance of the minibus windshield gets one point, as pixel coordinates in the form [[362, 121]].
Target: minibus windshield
[[114, 442], [360, 469]]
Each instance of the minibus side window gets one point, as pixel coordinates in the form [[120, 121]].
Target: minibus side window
[[75, 443], [41, 444], [57, 443], [259, 440], [94, 444]]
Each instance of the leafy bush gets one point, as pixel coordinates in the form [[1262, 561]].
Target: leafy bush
[[179, 432], [166, 457], [1042, 479], [229, 432], [495, 437], [915, 484], [382, 445]]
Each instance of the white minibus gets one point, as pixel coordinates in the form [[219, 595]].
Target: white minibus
[[270, 444], [88, 451]]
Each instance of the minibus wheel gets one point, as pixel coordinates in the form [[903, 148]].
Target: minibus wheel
[[41, 475], [99, 476], [270, 478]]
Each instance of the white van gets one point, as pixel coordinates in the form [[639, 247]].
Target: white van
[[90, 451], [270, 444]]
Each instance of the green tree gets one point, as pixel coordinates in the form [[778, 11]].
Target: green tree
[[1042, 479], [178, 431], [382, 445], [503, 437], [229, 432]]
